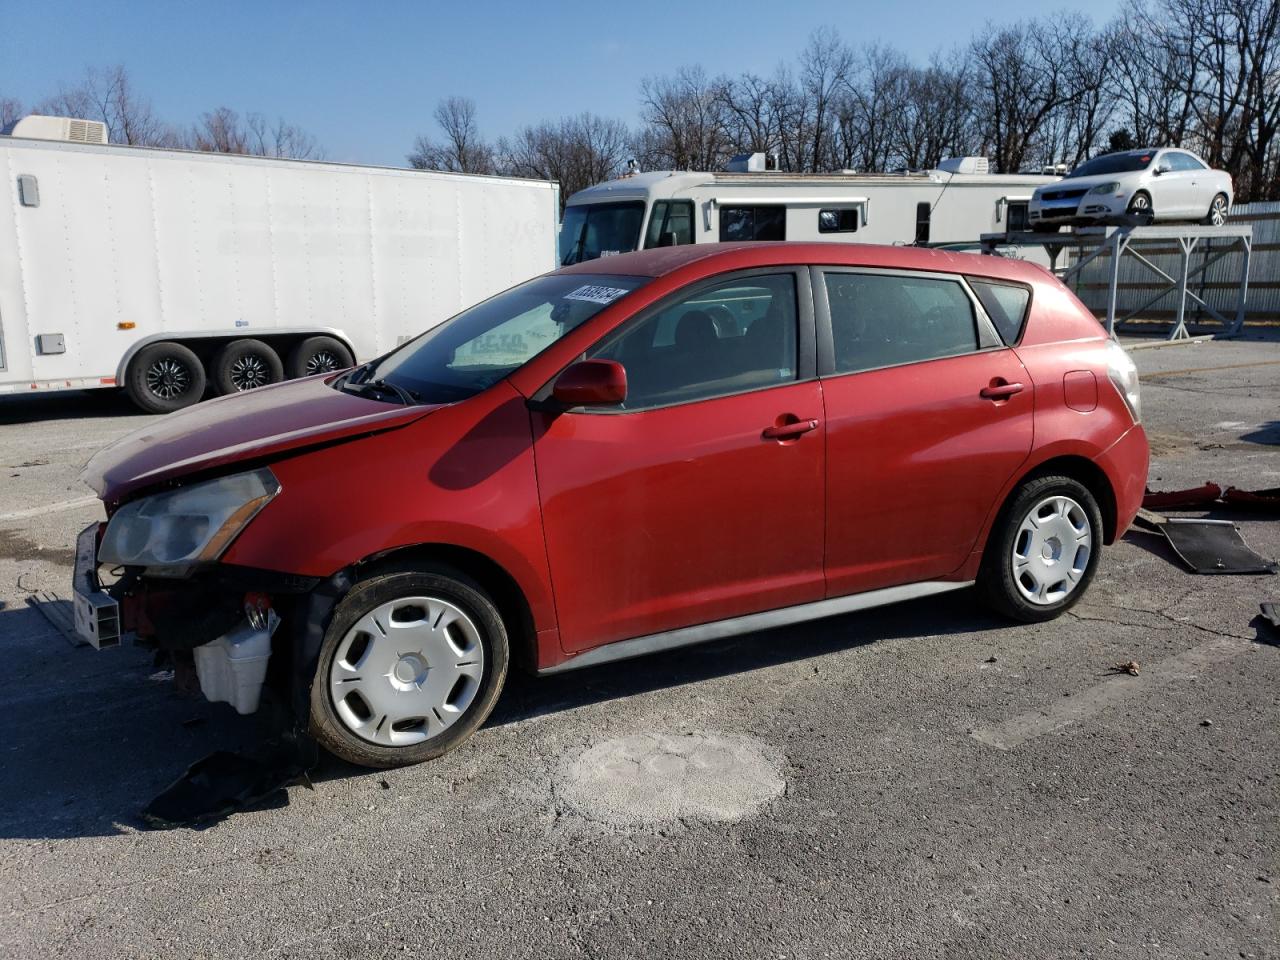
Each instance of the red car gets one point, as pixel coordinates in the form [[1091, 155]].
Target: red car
[[621, 457]]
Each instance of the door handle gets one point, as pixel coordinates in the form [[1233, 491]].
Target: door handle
[[788, 431], [1000, 390]]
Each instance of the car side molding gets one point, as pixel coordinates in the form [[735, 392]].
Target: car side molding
[[705, 632]]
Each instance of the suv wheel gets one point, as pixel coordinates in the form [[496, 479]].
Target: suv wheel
[[411, 665], [1043, 551]]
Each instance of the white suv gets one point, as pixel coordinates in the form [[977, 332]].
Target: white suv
[[1137, 186]]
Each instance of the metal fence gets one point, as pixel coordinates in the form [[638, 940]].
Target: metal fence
[[1218, 285]]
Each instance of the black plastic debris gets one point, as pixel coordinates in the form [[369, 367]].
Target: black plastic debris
[[224, 782], [1269, 634], [1213, 546]]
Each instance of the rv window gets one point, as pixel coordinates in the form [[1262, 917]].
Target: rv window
[[588, 232], [753, 223], [923, 211], [844, 220], [1005, 304], [1016, 216], [670, 224], [881, 321]]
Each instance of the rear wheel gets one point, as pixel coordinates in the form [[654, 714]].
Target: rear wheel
[[410, 666], [1218, 211], [1043, 551], [164, 377], [317, 355], [245, 365]]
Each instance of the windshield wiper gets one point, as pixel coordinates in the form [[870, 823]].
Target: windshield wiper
[[381, 386]]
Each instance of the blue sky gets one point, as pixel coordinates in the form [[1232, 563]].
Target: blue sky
[[363, 78]]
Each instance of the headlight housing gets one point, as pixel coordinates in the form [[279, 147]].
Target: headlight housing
[[1124, 377], [1112, 187], [171, 532]]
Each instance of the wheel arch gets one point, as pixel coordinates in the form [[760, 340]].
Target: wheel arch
[[505, 590], [1080, 468]]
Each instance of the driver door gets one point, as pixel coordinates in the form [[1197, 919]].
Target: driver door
[[683, 506]]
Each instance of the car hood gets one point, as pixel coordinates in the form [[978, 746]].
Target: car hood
[[1087, 183], [246, 426]]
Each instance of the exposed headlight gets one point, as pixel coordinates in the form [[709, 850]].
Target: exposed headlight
[[1112, 187], [170, 532], [1124, 376]]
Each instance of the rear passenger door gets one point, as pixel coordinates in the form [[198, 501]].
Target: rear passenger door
[[928, 415]]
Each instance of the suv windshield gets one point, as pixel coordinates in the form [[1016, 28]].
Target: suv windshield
[[480, 346], [589, 231], [1114, 163]]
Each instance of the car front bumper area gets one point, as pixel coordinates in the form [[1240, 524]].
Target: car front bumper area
[[1080, 208], [218, 623]]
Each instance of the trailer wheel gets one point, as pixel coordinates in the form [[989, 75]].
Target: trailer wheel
[[244, 365], [164, 377], [317, 355]]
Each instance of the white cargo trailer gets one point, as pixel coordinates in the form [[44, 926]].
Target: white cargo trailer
[[956, 203], [166, 271]]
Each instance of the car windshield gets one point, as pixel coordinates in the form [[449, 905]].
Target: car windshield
[[1114, 163], [590, 231], [485, 343]]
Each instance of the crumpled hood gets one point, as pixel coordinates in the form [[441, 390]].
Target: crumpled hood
[[259, 423]]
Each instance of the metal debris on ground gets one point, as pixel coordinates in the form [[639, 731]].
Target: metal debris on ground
[[1191, 499], [1213, 546], [1264, 501]]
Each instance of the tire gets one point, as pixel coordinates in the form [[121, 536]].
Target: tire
[[1219, 209], [1141, 208], [165, 377], [1007, 582], [245, 365], [317, 355], [405, 714]]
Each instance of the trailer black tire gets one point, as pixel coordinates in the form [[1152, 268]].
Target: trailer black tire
[[317, 355], [244, 365], [164, 377]]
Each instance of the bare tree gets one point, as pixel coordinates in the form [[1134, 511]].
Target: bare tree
[[221, 131], [576, 151], [463, 150], [826, 67], [687, 123], [108, 95], [10, 111]]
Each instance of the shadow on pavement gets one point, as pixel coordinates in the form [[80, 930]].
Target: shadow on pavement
[[66, 405], [88, 738]]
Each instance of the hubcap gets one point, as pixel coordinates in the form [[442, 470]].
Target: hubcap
[[1051, 551], [1218, 215], [322, 361], [249, 372], [168, 378], [407, 671]]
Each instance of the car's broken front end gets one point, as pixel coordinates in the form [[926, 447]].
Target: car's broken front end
[[164, 585]]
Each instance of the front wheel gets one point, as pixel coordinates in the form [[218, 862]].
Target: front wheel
[[410, 666], [1140, 208], [164, 377], [1044, 550]]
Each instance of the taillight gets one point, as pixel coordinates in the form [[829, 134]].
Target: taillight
[[1124, 377]]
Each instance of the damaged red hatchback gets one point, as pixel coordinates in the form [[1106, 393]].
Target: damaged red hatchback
[[621, 457]]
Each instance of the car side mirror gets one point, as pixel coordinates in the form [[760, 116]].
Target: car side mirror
[[1163, 168], [591, 383]]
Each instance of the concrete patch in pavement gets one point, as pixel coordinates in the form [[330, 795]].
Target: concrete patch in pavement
[[655, 778]]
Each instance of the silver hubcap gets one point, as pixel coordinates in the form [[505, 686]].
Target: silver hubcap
[[249, 372], [1051, 551], [407, 671], [1219, 212], [168, 378], [1140, 204], [321, 362]]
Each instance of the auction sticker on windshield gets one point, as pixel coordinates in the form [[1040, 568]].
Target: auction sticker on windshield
[[594, 294]]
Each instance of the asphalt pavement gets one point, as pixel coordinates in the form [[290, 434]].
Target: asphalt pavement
[[921, 781]]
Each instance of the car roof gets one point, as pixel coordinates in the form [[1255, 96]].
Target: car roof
[[712, 258]]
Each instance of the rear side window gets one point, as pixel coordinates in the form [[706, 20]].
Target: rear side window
[[753, 223], [880, 320], [1006, 305]]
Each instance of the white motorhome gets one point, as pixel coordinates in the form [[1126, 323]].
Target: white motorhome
[[955, 203], [162, 271]]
